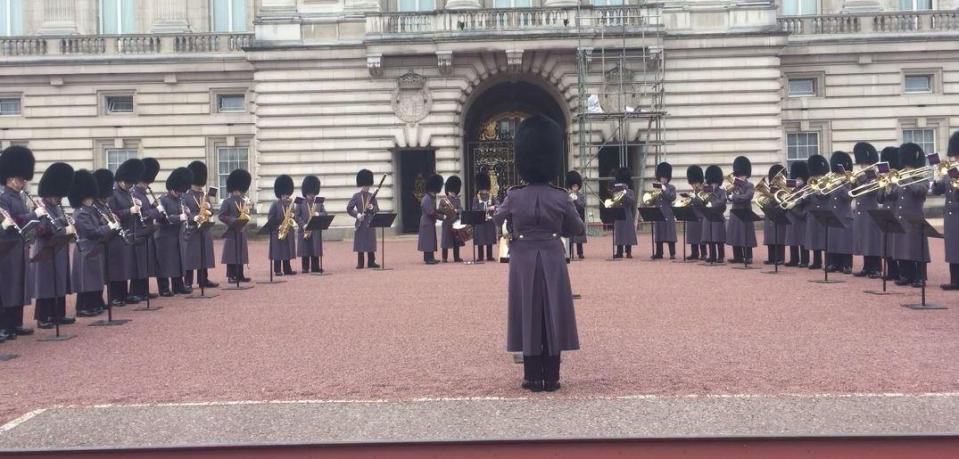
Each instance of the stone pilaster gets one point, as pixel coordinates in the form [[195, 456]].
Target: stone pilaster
[[59, 17], [560, 3], [170, 16]]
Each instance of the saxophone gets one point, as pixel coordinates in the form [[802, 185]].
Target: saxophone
[[204, 215], [288, 224], [243, 210], [309, 234]]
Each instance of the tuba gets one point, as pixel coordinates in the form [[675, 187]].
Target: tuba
[[650, 197], [619, 195]]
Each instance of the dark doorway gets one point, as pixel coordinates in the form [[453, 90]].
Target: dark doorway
[[415, 166]]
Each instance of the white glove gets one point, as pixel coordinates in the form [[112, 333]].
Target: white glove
[[135, 210], [115, 226], [160, 208], [316, 214], [6, 224], [41, 212], [196, 219], [184, 217], [359, 217]]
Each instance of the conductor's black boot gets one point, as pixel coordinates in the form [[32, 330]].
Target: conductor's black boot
[[371, 260], [359, 260], [658, 253], [533, 373], [619, 252], [672, 250], [551, 373]]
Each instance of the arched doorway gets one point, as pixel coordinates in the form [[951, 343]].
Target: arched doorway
[[490, 125]]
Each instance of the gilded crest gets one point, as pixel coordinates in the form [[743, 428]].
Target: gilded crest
[[411, 99], [419, 187]]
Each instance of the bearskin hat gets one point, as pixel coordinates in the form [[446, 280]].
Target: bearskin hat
[[283, 186], [891, 156], [483, 181], [742, 166], [624, 175], [84, 186], [573, 178], [199, 171], [104, 183], [840, 158], [818, 165], [694, 175], [953, 145], [238, 180], [540, 147], [714, 175], [865, 154], [180, 180], [434, 184], [454, 184], [799, 170], [911, 155], [56, 181], [664, 170], [364, 177], [774, 170], [151, 167], [16, 161], [130, 171], [310, 185]]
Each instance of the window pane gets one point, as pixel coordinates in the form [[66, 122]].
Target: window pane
[[108, 16], [221, 15], [790, 7], [229, 159], [427, 5], [802, 87], [231, 103], [120, 104], [809, 6], [501, 4], [9, 106], [925, 138], [115, 157], [11, 17], [239, 16], [801, 145], [918, 83], [129, 16]]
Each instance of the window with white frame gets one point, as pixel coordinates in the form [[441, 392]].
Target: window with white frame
[[512, 3], [416, 5], [11, 18], [117, 17], [228, 15], [229, 159], [801, 145], [230, 102], [802, 87], [10, 106], [114, 157], [915, 5], [800, 7], [919, 83], [118, 103], [924, 137]]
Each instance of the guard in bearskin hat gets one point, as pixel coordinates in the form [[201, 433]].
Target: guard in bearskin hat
[[816, 232], [948, 185], [741, 234], [624, 231], [426, 236], [484, 235], [235, 214], [890, 155], [867, 237], [125, 265], [16, 169], [694, 230], [147, 224], [574, 182], [665, 231], [796, 230], [93, 230], [51, 276], [362, 207], [714, 232], [198, 256], [171, 247], [774, 236], [911, 252], [453, 187], [539, 287], [309, 245], [841, 240], [282, 250]]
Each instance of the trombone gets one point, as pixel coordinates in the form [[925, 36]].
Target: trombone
[[793, 199]]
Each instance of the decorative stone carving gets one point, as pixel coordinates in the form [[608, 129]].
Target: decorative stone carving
[[620, 93], [514, 60], [374, 63], [444, 60], [412, 100]]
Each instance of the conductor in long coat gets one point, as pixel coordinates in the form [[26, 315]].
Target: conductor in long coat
[[93, 230], [816, 232], [309, 244], [453, 187], [694, 230], [362, 207], [911, 247], [867, 237], [235, 252], [541, 320], [948, 186], [426, 235], [51, 275], [665, 231], [484, 234], [282, 250], [841, 240], [169, 236], [714, 232], [198, 253], [741, 234], [125, 265], [16, 169], [796, 230], [774, 236], [624, 231]]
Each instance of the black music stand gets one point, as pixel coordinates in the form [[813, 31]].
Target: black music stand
[[713, 215], [317, 225], [473, 218], [609, 216], [237, 227], [748, 217], [827, 219], [271, 225], [109, 322], [777, 215], [382, 220], [201, 230], [887, 222], [685, 215], [652, 215], [49, 253], [923, 230]]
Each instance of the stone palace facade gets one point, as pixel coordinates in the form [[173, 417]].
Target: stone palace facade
[[408, 87]]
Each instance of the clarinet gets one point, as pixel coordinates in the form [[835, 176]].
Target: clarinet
[[157, 203]]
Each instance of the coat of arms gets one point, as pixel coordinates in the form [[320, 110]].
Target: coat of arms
[[411, 100]]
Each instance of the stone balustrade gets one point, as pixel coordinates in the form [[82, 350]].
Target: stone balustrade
[[93, 45], [887, 22]]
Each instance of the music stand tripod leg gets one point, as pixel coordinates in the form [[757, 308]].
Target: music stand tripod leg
[[56, 314]]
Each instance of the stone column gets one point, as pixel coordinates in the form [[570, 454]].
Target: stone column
[[59, 17], [170, 16]]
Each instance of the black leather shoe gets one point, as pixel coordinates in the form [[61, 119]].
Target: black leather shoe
[[903, 282], [68, 320], [768, 263], [917, 284], [153, 296], [629, 255], [372, 265], [289, 273], [134, 299], [166, 294], [43, 325], [210, 284], [551, 386], [457, 260], [831, 269], [183, 291], [749, 261], [245, 280], [949, 286], [533, 386], [231, 280], [87, 313], [690, 257], [431, 262], [846, 270], [3, 336], [874, 275], [118, 303], [815, 266], [791, 264], [578, 256], [862, 273], [11, 335], [23, 331]]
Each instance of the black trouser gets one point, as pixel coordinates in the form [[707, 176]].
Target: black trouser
[[544, 366], [697, 251], [234, 271], [163, 284], [310, 264], [954, 273], [840, 261], [117, 291], [370, 259], [202, 277], [429, 256], [48, 309], [90, 301], [12, 318], [620, 248], [140, 287], [912, 271], [659, 249], [817, 258], [741, 254], [717, 251], [871, 264], [892, 268], [776, 253], [456, 254], [283, 266], [484, 252], [579, 250]]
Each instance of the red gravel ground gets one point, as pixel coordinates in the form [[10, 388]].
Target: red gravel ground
[[438, 331]]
